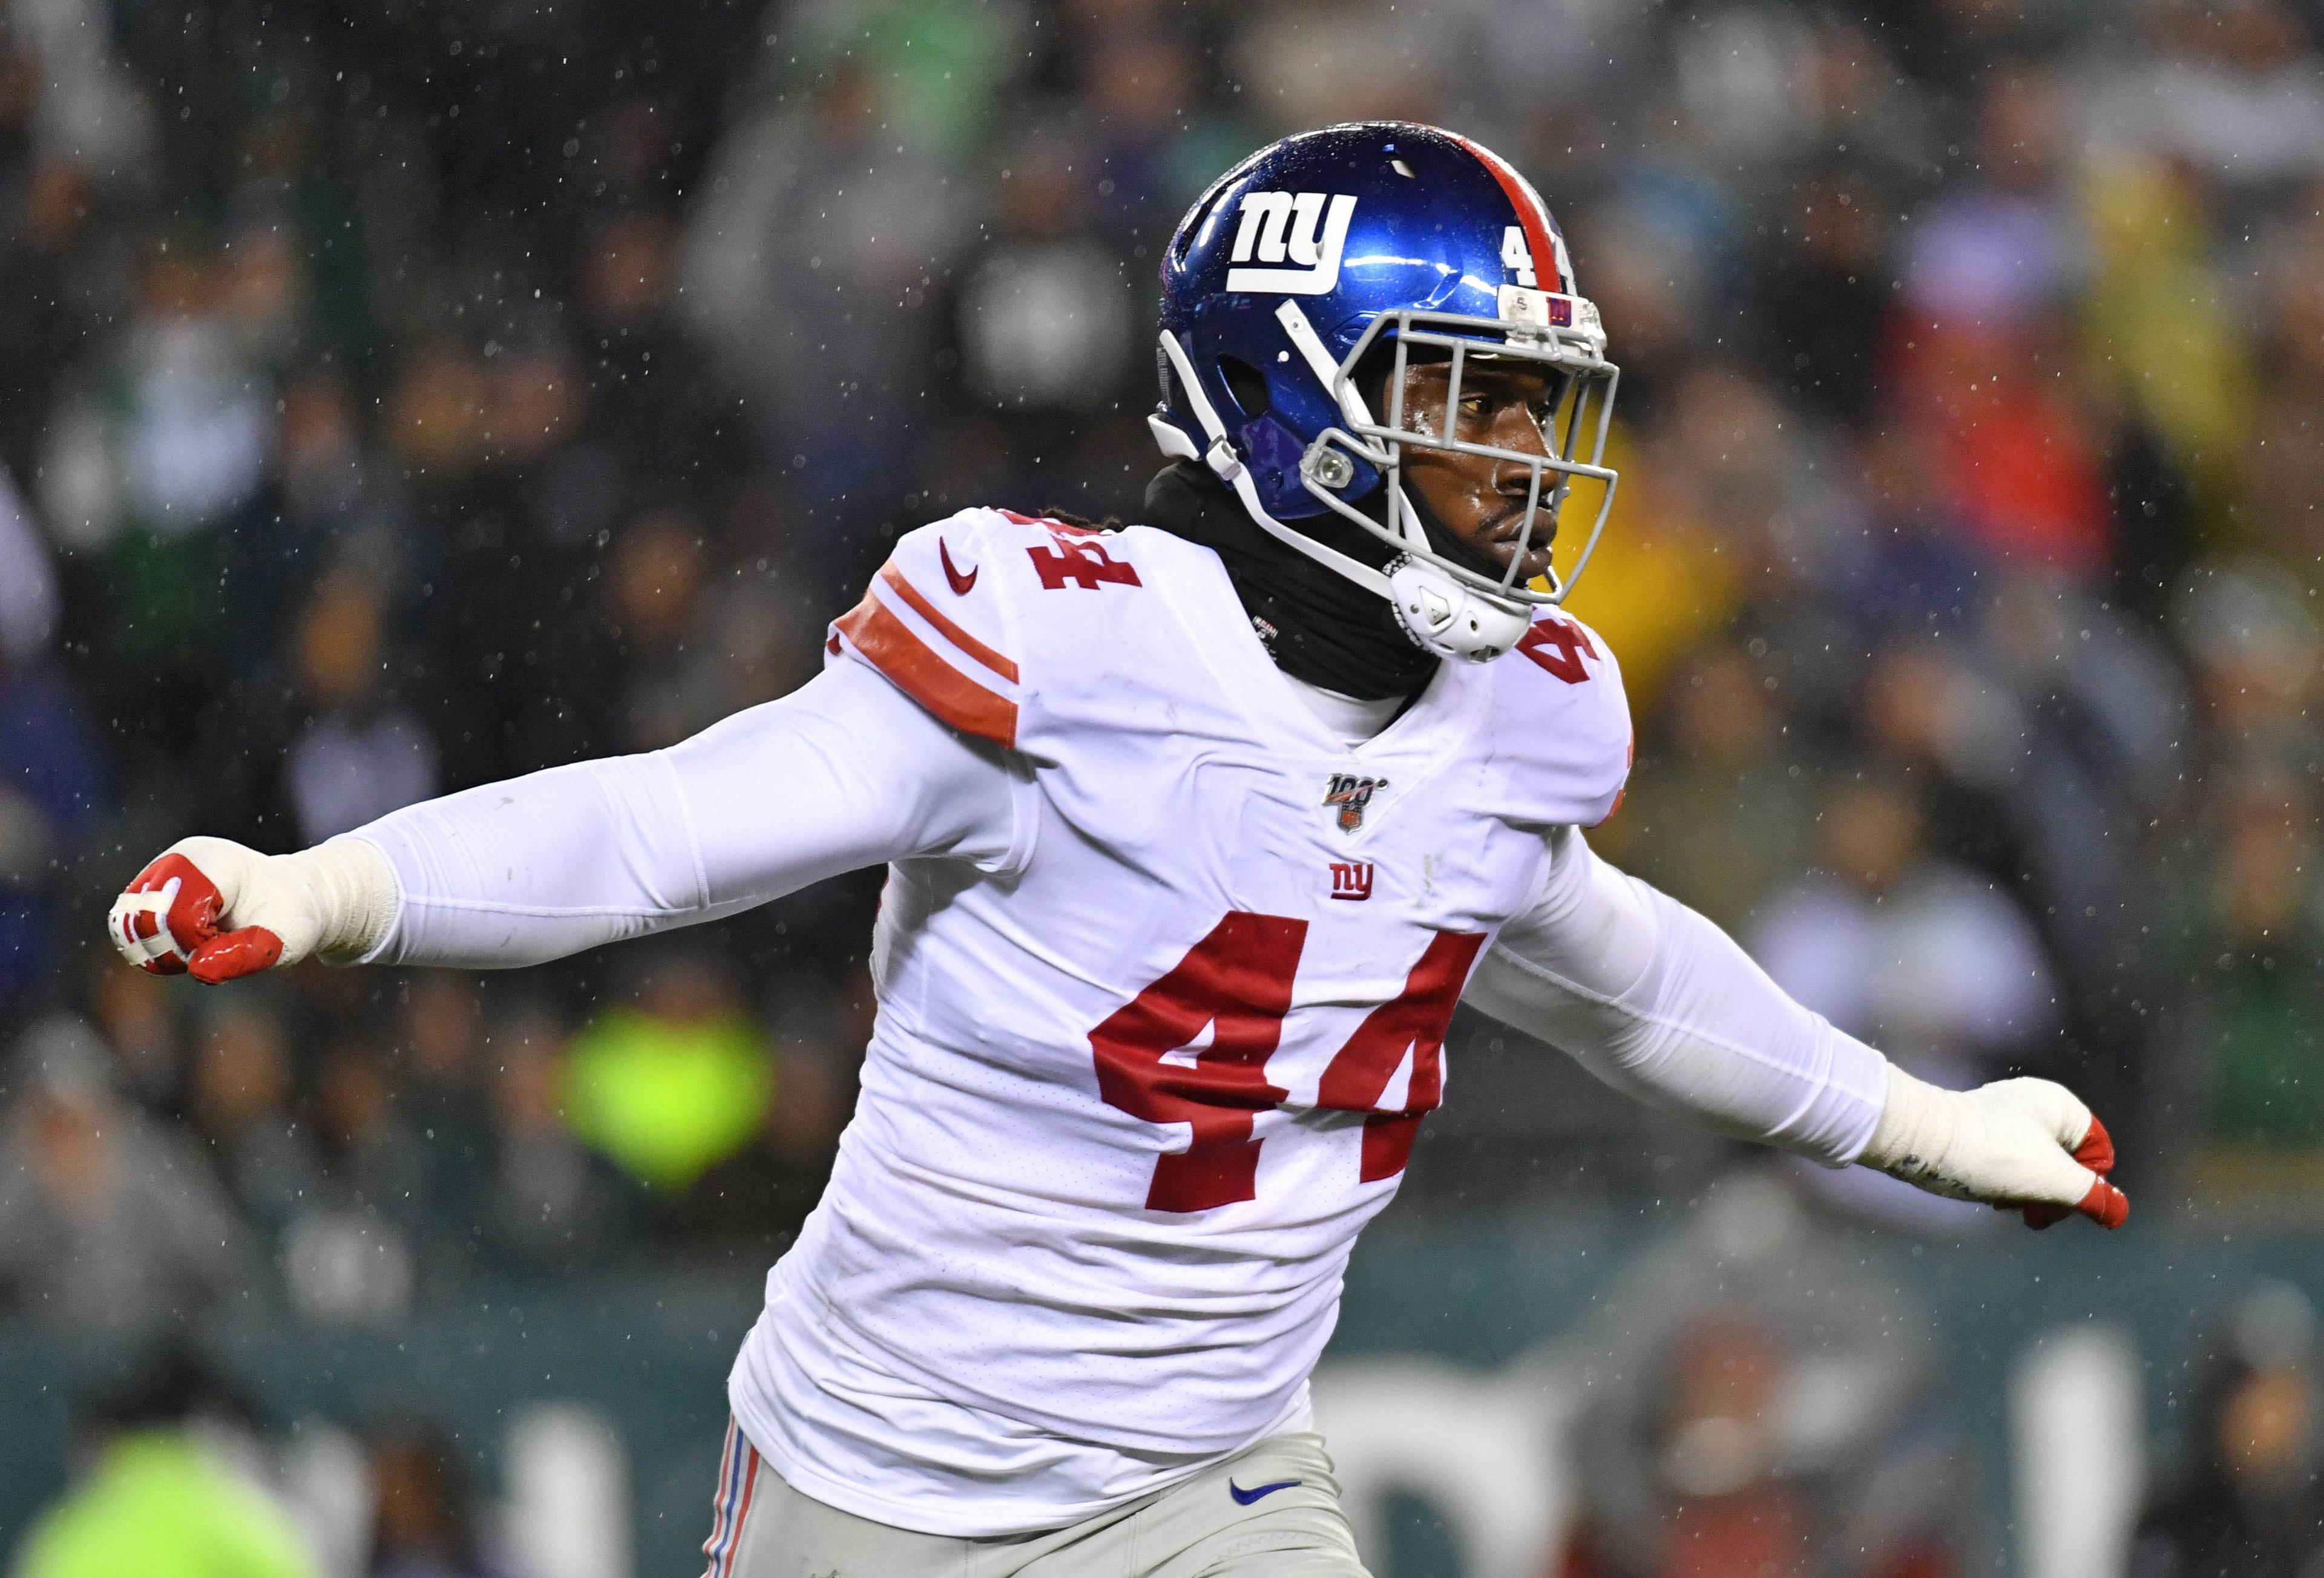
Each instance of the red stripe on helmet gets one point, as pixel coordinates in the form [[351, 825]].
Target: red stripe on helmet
[[1531, 213]]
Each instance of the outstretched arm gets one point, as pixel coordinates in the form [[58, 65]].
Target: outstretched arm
[[846, 772], [1656, 1000]]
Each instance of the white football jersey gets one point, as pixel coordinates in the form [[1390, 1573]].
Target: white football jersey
[[1131, 1098]]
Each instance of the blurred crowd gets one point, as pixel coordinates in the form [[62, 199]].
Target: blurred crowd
[[402, 398], [1755, 1406]]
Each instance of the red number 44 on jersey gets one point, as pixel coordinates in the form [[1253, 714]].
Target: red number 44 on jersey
[[1238, 981]]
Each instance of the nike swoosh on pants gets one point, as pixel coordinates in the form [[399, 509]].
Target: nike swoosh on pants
[[1245, 1498]]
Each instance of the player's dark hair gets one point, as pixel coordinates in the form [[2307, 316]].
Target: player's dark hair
[[1051, 513]]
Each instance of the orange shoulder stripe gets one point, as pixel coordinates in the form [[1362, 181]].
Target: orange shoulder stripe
[[890, 646], [947, 628]]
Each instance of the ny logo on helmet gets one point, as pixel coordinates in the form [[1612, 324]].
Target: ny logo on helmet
[[1275, 227]]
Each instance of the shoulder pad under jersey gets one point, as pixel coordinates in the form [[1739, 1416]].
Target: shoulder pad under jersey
[[1561, 716], [939, 619]]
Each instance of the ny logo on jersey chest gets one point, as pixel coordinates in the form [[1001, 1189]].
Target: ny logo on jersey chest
[[1351, 879], [1351, 794]]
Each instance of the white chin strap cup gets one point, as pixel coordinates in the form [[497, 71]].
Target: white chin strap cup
[[1450, 618]]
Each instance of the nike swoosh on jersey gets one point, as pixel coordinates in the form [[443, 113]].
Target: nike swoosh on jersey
[[960, 583], [1245, 1498]]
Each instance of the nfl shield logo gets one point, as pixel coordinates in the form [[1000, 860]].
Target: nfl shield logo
[[1351, 794]]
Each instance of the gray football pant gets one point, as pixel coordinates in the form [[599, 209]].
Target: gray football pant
[[1202, 1528]]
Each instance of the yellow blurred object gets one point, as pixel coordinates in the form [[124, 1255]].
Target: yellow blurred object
[[1663, 579], [2160, 332]]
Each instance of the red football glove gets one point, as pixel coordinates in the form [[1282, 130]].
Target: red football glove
[[2105, 1205], [168, 922]]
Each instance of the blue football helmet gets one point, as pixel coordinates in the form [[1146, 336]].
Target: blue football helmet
[[1312, 254]]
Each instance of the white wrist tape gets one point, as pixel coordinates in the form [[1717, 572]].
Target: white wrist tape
[[353, 891]]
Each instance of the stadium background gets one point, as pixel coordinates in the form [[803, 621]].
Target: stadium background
[[399, 397]]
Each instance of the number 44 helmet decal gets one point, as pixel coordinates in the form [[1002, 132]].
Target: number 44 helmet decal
[[1300, 262]]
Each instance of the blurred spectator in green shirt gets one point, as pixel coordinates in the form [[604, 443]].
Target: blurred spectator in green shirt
[[2243, 909], [154, 1504], [2243, 1010], [673, 1086]]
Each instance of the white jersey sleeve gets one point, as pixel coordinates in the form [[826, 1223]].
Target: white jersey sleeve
[[843, 773], [1658, 1002]]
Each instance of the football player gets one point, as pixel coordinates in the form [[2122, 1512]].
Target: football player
[[1196, 831]]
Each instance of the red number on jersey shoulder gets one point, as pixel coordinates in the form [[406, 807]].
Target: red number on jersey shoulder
[[1557, 645], [1079, 562], [1238, 981]]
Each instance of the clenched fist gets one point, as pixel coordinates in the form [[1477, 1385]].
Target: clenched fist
[[212, 908], [2017, 1144]]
